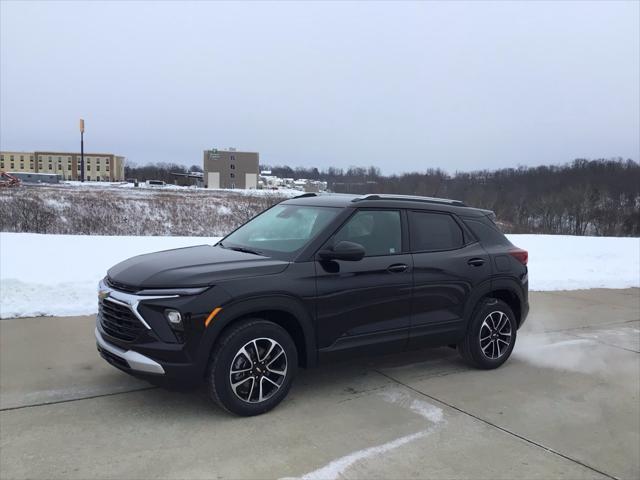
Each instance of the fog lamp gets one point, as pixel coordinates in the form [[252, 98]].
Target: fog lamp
[[174, 317]]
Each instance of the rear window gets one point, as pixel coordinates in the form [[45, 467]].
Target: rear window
[[487, 232], [434, 231]]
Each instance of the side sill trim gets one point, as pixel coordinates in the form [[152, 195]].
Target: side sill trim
[[135, 360]]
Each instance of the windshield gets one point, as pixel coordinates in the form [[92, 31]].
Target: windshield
[[281, 229]]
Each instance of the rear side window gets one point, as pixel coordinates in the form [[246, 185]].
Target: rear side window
[[434, 231], [487, 234]]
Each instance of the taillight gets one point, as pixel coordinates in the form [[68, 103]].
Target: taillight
[[521, 255]]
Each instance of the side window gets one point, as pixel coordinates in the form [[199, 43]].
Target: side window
[[434, 231], [378, 231], [488, 235]]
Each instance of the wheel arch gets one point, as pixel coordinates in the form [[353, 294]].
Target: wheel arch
[[285, 311], [505, 289], [510, 298]]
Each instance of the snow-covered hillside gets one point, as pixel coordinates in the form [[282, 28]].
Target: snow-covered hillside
[[58, 274]]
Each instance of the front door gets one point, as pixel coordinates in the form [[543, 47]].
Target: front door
[[366, 304]]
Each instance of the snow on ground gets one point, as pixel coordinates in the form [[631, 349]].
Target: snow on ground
[[58, 274], [144, 187], [565, 262]]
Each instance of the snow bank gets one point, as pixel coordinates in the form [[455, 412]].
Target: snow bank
[[58, 274], [564, 262], [142, 186]]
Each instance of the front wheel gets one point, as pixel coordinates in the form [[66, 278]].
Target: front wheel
[[252, 367], [491, 335]]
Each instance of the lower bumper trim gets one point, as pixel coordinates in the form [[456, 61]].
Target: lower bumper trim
[[135, 360]]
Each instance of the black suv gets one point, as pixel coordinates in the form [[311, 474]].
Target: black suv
[[314, 278]]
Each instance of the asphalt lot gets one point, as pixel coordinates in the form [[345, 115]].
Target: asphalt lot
[[566, 405]]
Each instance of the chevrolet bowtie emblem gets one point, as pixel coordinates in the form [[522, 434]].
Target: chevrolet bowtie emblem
[[102, 294]]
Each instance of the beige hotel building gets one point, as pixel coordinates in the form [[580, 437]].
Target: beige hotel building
[[105, 167]]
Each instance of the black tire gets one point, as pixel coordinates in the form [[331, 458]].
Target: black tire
[[489, 350], [245, 400]]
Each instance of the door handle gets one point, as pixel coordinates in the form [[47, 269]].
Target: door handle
[[397, 268], [476, 262]]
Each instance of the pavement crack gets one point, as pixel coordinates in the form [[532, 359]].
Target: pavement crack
[[586, 327], [69, 400], [597, 340], [498, 427]]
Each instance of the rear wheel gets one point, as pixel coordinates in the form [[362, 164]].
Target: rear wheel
[[252, 367], [491, 335]]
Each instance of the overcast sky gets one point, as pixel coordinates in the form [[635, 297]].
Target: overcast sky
[[402, 86]]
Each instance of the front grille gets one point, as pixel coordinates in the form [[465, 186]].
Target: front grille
[[121, 286], [119, 321], [113, 359]]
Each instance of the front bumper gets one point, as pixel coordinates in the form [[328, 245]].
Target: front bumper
[[152, 350], [134, 361]]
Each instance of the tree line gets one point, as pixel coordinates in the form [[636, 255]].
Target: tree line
[[159, 171], [584, 197]]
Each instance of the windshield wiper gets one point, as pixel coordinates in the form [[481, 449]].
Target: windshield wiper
[[245, 250]]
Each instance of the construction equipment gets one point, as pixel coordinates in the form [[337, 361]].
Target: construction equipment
[[8, 180]]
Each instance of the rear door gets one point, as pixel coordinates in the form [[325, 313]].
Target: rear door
[[366, 304], [448, 265]]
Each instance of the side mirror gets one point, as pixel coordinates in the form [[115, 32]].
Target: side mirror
[[344, 250]]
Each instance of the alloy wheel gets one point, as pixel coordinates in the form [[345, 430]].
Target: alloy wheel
[[495, 335], [258, 370]]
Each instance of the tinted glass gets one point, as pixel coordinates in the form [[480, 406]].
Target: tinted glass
[[487, 234], [283, 228], [378, 231], [434, 231]]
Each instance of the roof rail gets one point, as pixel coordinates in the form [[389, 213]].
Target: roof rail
[[412, 198]]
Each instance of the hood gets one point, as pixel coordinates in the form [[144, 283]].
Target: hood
[[192, 267]]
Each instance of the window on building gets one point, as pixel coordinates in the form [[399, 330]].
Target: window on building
[[233, 167], [233, 175], [69, 167], [22, 166], [22, 158], [97, 168], [1, 164], [11, 158], [31, 158], [12, 166], [59, 159], [233, 158], [49, 157], [107, 168]]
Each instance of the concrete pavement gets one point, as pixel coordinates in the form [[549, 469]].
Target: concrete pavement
[[566, 405]]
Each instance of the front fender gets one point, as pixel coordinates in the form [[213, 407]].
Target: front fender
[[239, 308]]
